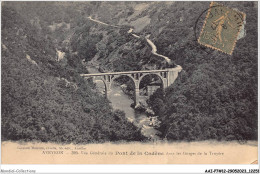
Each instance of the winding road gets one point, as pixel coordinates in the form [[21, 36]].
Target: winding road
[[130, 31]]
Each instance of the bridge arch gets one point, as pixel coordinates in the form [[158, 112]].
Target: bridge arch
[[96, 79], [159, 77], [133, 82], [121, 75]]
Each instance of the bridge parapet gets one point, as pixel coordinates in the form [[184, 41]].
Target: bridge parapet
[[126, 72]]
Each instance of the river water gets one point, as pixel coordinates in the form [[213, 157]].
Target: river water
[[119, 100]]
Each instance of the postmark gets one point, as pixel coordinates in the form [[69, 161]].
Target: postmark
[[221, 28]]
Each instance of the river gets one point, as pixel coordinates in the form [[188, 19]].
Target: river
[[119, 100]]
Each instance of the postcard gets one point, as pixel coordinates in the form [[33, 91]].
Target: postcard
[[127, 82]]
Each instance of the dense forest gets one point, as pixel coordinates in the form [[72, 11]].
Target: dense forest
[[44, 98], [48, 101], [215, 96]]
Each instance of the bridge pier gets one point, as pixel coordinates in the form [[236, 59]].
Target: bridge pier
[[107, 90], [107, 87], [173, 74], [137, 82], [165, 83], [137, 96]]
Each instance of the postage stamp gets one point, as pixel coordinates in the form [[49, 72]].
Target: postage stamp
[[221, 28]]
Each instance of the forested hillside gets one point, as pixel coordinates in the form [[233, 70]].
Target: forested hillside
[[215, 96], [44, 98]]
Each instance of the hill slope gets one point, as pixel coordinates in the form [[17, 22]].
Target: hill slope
[[42, 100]]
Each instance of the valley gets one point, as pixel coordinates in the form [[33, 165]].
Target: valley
[[46, 46]]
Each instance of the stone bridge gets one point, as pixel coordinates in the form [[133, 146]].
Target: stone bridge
[[167, 77]]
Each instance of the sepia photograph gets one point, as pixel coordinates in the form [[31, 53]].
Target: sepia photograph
[[129, 82]]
